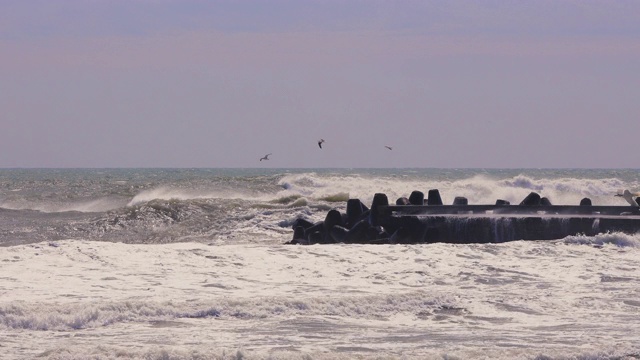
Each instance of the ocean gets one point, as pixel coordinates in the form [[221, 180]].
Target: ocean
[[192, 264]]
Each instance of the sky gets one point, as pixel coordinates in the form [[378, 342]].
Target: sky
[[194, 83]]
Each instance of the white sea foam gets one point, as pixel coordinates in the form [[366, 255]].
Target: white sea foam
[[569, 191], [479, 188], [168, 193], [94, 205], [547, 299], [616, 238], [236, 293]]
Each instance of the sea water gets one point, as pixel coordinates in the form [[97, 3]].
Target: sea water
[[191, 264]]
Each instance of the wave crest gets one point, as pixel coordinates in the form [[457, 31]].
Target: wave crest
[[523, 182], [339, 197], [615, 238], [81, 316]]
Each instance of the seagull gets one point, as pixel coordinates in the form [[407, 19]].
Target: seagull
[[320, 143], [266, 157], [627, 195], [388, 147]]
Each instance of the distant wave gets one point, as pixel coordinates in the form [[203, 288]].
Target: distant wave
[[251, 207], [524, 182], [568, 187], [339, 197], [288, 199], [167, 193], [94, 205], [477, 188]]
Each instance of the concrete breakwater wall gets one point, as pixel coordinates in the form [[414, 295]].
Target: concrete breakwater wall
[[417, 219]]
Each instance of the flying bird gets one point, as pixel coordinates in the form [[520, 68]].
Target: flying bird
[[629, 196], [388, 147], [320, 143], [266, 157]]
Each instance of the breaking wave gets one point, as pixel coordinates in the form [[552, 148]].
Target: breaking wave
[[148, 208], [616, 238], [93, 315]]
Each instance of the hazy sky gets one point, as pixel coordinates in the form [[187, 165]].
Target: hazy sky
[[186, 83]]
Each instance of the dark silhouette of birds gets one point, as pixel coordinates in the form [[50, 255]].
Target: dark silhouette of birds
[[321, 141]]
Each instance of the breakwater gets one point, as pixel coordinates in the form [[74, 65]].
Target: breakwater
[[420, 219]]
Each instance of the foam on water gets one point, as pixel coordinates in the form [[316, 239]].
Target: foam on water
[[616, 238], [165, 353], [554, 299], [571, 190], [166, 193], [88, 205], [479, 188], [197, 270], [240, 206], [73, 316]]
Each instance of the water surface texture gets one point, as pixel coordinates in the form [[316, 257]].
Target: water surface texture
[[190, 264]]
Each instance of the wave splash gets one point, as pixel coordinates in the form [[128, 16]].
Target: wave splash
[[482, 188], [254, 207], [616, 238]]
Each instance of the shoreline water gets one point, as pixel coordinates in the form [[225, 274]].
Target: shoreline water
[[523, 299], [190, 264]]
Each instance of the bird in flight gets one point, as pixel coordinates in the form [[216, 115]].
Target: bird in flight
[[266, 157], [629, 196], [320, 143], [388, 147]]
